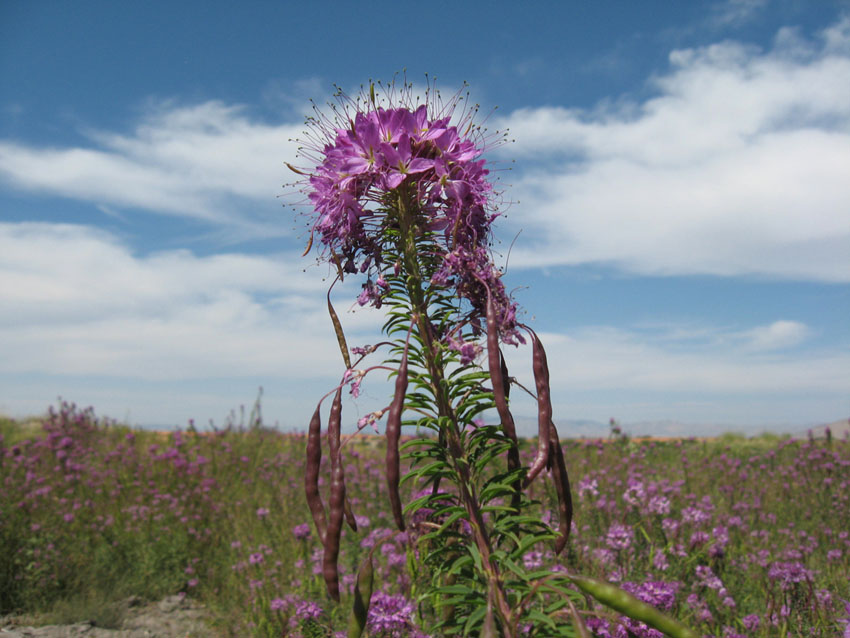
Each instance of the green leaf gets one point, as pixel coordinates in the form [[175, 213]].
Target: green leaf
[[362, 598]]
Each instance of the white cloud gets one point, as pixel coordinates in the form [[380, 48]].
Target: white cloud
[[777, 335], [617, 359], [79, 305], [78, 302], [185, 161], [736, 12], [738, 166]]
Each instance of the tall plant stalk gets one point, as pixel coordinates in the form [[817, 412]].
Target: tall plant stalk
[[400, 193]]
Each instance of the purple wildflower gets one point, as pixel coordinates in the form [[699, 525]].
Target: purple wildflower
[[751, 622], [305, 610], [659, 504], [301, 531], [659, 594], [789, 574], [256, 558], [533, 559], [619, 537], [390, 614], [374, 155]]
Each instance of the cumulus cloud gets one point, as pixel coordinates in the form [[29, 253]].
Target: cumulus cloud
[[630, 359], [79, 302], [179, 160], [736, 166]]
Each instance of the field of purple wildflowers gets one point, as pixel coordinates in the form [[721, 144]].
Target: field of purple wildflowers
[[733, 536]]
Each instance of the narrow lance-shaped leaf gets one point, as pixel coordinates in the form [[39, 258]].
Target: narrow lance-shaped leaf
[[362, 597]]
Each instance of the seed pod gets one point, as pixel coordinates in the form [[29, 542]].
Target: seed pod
[[544, 407], [501, 390], [628, 605], [362, 597], [393, 436], [334, 435], [562, 489], [330, 569], [330, 556], [311, 474], [340, 335]]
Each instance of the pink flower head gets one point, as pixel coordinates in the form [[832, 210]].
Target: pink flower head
[[373, 156]]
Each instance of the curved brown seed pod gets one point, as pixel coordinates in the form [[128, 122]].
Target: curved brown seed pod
[[334, 425], [498, 372], [544, 407], [311, 474], [393, 436], [334, 435], [501, 390], [340, 335], [330, 556], [562, 489]]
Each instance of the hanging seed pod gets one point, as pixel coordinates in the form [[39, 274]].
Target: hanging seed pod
[[330, 568], [330, 556], [501, 390], [562, 489], [393, 435], [334, 435], [311, 474], [340, 335], [544, 407]]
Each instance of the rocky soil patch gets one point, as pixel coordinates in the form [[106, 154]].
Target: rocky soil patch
[[174, 617]]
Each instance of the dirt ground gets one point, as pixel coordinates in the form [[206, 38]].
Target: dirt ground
[[174, 617]]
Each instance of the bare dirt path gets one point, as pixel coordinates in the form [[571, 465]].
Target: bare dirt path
[[174, 617]]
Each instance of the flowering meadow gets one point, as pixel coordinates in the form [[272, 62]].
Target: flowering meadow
[[733, 536]]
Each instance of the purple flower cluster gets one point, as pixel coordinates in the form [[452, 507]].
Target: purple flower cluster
[[390, 615], [377, 163]]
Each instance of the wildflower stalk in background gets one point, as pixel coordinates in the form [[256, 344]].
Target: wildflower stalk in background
[[400, 195]]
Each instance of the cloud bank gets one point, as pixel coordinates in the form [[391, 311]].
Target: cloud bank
[[736, 167], [186, 161]]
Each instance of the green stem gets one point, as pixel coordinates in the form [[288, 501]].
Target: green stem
[[407, 218]]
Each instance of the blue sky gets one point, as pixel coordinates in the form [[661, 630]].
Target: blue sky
[[678, 183]]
